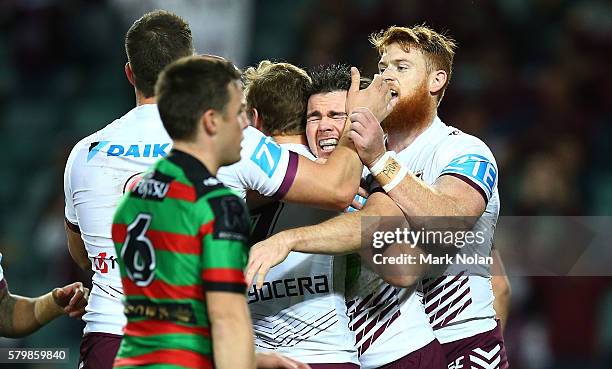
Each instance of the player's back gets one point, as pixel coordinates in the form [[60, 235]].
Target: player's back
[[97, 174], [178, 236], [300, 310]]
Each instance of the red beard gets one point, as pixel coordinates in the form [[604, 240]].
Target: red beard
[[411, 112]]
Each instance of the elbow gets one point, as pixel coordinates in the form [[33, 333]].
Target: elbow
[[342, 196], [501, 287], [84, 264]]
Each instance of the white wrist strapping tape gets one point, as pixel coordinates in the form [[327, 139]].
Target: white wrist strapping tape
[[379, 165], [396, 180]]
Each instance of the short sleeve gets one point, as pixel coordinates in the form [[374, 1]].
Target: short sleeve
[[470, 160], [264, 166], [69, 210], [225, 245], [2, 281]]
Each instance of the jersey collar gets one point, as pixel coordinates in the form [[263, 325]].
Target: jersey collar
[[428, 136], [192, 167]]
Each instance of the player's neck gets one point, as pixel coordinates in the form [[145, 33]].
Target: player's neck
[[200, 152], [401, 137], [291, 139], [142, 100]]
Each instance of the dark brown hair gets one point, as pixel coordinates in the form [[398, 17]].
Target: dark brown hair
[[154, 41]]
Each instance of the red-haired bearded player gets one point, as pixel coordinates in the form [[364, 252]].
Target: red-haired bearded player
[[438, 171]]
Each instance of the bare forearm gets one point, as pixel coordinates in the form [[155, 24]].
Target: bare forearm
[[233, 343], [21, 316], [337, 236], [501, 289], [449, 202], [332, 185], [417, 199], [501, 304], [76, 247], [342, 172]]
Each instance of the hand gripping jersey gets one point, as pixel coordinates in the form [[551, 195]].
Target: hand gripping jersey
[[98, 171], [459, 303], [179, 233], [301, 311]]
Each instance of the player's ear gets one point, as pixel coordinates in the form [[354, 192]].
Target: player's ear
[[256, 119], [129, 74], [437, 80], [208, 122]]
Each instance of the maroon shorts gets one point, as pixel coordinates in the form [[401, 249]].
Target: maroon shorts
[[98, 350], [430, 356], [334, 366], [484, 350]]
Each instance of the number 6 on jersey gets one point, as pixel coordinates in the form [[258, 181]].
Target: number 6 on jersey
[[138, 253]]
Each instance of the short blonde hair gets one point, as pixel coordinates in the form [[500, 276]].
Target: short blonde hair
[[279, 92], [439, 49]]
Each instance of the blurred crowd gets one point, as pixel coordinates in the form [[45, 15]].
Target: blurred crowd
[[531, 78]]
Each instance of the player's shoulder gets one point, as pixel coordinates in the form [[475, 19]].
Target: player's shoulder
[[456, 142], [125, 129], [231, 216]]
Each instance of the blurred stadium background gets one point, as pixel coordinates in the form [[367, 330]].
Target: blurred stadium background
[[531, 78]]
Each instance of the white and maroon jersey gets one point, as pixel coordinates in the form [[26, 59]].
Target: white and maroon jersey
[[389, 322], [264, 167], [459, 303], [103, 165], [98, 171], [300, 311], [2, 281]]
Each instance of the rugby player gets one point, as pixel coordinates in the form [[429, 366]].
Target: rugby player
[[301, 311], [388, 322], [100, 168], [437, 171], [325, 105], [180, 216], [21, 316]]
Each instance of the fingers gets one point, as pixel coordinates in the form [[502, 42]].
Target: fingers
[[298, 365], [358, 127], [78, 302], [285, 362], [363, 113], [358, 141], [355, 79], [377, 82], [363, 193], [252, 269], [78, 295], [261, 274]]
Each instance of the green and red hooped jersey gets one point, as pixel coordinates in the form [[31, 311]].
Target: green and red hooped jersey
[[178, 234]]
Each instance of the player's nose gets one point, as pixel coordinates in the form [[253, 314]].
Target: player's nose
[[325, 125]]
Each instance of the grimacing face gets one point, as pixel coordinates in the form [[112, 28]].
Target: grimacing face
[[325, 118], [404, 71], [234, 122]]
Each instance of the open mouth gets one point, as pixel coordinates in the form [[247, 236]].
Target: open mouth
[[328, 144]]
